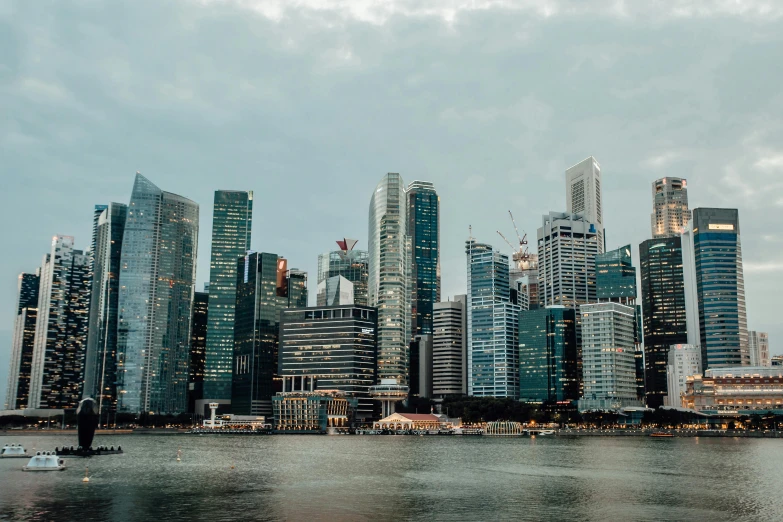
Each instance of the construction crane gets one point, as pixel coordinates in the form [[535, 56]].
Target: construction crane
[[521, 255]]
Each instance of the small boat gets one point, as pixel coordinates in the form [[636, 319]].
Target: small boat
[[661, 434], [11, 451], [546, 432], [45, 461]]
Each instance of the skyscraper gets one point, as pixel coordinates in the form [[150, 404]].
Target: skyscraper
[[390, 276], [198, 348], [157, 276], [351, 264], [523, 276], [57, 372], [100, 369], [583, 195], [715, 288], [232, 222], [684, 362], [758, 343], [424, 231], [493, 322], [670, 207], [449, 347], [22, 343], [335, 291]]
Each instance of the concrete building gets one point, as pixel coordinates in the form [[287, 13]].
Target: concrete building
[[23, 342], [776, 360], [449, 348], [609, 367], [670, 207], [684, 362], [301, 408], [743, 391], [421, 366], [584, 196], [409, 421], [758, 343]]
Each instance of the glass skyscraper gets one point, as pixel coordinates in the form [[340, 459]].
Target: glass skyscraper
[[22, 343], [157, 276], [232, 221], [615, 276], [424, 231], [351, 264], [198, 348]]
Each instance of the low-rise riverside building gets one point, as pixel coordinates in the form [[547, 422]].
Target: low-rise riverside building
[[742, 390], [409, 421], [313, 411]]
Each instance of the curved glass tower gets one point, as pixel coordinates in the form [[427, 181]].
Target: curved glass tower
[[158, 270]]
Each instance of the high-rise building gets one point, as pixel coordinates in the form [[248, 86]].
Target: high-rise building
[[714, 288], [758, 343], [493, 325], [100, 368], [523, 278], [265, 286], [335, 291], [22, 343], [351, 264], [547, 355], [232, 222], [421, 366], [684, 362], [57, 373], [335, 345], [390, 276], [670, 207], [608, 364], [449, 348], [157, 277], [583, 195], [198, 348], [424, 231]]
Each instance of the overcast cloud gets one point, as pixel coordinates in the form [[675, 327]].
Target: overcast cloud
[[309, 103]]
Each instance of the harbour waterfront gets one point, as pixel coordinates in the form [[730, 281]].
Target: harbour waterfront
[[402, 478]]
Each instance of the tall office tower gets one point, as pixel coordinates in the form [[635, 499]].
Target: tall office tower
[[450, 347], [390, 276], [157, 276], [684, 362], [232, 221], [198, 348], [493, 325], [547, 355], [336, 345], [523, 278], [100, 367], [335, 291], [57, 373], [424, 231], [351, 264], [608, 357], [583, 195], [758, 345], [670, 207], [22, 342], [663, 311], [421, 366], [567, 246], [265, 287], [715, 288]]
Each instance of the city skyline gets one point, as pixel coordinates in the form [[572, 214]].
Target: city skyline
[[525, 175]]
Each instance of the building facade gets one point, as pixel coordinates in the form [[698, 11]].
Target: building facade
[[670, 207], [157, 277], [198, 348], [421, 366], [300, 408], [584, 196], [334, 291], [424, 231], [716, 316], [390, 276], [348, 263], [547, 355], [449, 348], [684, 362], [743, 391], [232, 224], [22, 342], [758, 344]]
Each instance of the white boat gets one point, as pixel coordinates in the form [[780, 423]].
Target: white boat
[[11, 451], [546, 432], [45, 461]]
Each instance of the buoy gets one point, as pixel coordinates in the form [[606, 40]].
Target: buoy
[[86, 475], [232, 466], [179, 455]]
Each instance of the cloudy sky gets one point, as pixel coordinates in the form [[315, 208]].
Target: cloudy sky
[[309, 103]]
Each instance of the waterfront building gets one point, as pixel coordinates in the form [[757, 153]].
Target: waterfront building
[[758, 344], [670, 207], [22, 342], [265, 287], [57, 368], [421, 366], [351, 264], [336, 346], [493, 322], [776, 360], [547, 355], [449, 348], [583, 196], [424, 231], [663, 311], [390, 276], [301, 408], [409, 421], [198, 348], [232, 223], [335, 291], [157, 277], [742, 390], [100, 367], [716, 317], [608, 357], [684, 362]]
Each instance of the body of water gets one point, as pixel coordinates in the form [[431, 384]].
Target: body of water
[[401, 478]]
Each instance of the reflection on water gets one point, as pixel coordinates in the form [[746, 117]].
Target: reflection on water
[[387, 478]]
